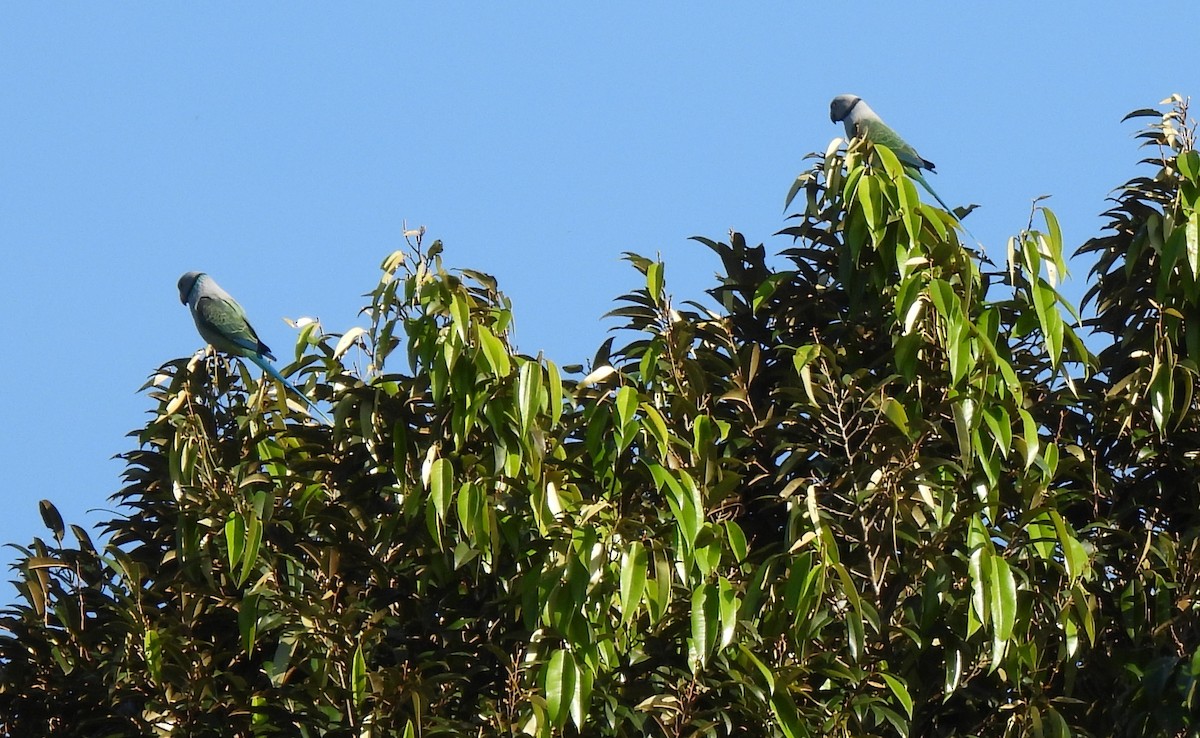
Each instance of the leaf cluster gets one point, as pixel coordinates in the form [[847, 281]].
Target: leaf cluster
[[885, 488]]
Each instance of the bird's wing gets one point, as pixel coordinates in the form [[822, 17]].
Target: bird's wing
[[878, 132], [226, 319]]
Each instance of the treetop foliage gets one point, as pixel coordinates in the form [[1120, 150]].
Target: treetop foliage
[[886, 488]]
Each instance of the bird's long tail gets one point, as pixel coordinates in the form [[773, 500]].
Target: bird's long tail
[[920, 179], [266, 365]]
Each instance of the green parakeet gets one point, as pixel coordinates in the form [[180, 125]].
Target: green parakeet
[[860, 121], [222, 322]]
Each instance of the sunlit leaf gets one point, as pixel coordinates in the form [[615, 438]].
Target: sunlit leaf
[[633, 579], [626, 403], [729, 604], [494, 351], [253, 540], [347, 340], [895, 412], [235, 539], [441, 485], [705, 623], [559, 682], [654, 280], [529, 392], [901, 691], [358, 676], [1188, 163], [1003, 596]]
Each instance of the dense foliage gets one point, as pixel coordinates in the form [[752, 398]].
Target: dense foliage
[[885, 489]]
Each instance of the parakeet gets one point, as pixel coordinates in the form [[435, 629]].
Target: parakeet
[[222, 322], [853, 112]]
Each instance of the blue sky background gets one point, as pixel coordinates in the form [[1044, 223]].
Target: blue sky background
[[282, 146]]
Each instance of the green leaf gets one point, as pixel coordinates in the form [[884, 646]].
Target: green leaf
[[855, 635], [901, 691], [248, 618], [654, 281], [494, 352], [627, 402], [767, 288], [235, 539], [1191, 231], [1074, 555], [471, 510], [787, 716], [1000, 425], [892, 717], [254, 531], [953, 671], [1054, 237], [1142, 113], [737, 541], [441, 486], [1042, 536], [633, 579], [895, 412], [1004, 597], [652, 421], [555, 393], [891, 164], [705, 624], [1188, 163], [1084, 611], [658, 589], [1070, 632], [868, 198], [683, 497], [529, 393], [1162, 396], [804, 355], [1030, 436], [964, 423], [460, 313], [581, 695], [730, 604], [1045, 300], [978, 566], [693, 508], [559, 685], [945, 300], [358, 676], [152, 650]]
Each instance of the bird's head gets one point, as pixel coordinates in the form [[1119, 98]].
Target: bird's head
[[841, 106], [187, 283]]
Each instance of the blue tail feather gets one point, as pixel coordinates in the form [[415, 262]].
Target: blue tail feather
[[920, 179], [264, 364]]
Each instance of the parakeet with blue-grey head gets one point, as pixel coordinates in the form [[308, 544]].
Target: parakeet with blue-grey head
[[222, 322], [862, 122]]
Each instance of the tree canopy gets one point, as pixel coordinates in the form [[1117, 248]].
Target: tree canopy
[[887, 487]]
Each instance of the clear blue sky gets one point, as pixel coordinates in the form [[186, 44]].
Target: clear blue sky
[[281, 146]]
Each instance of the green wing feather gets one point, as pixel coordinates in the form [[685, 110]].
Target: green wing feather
[[223, 323], [878, 132]]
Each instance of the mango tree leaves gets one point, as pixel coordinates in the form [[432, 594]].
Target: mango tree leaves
[[878, 490]]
